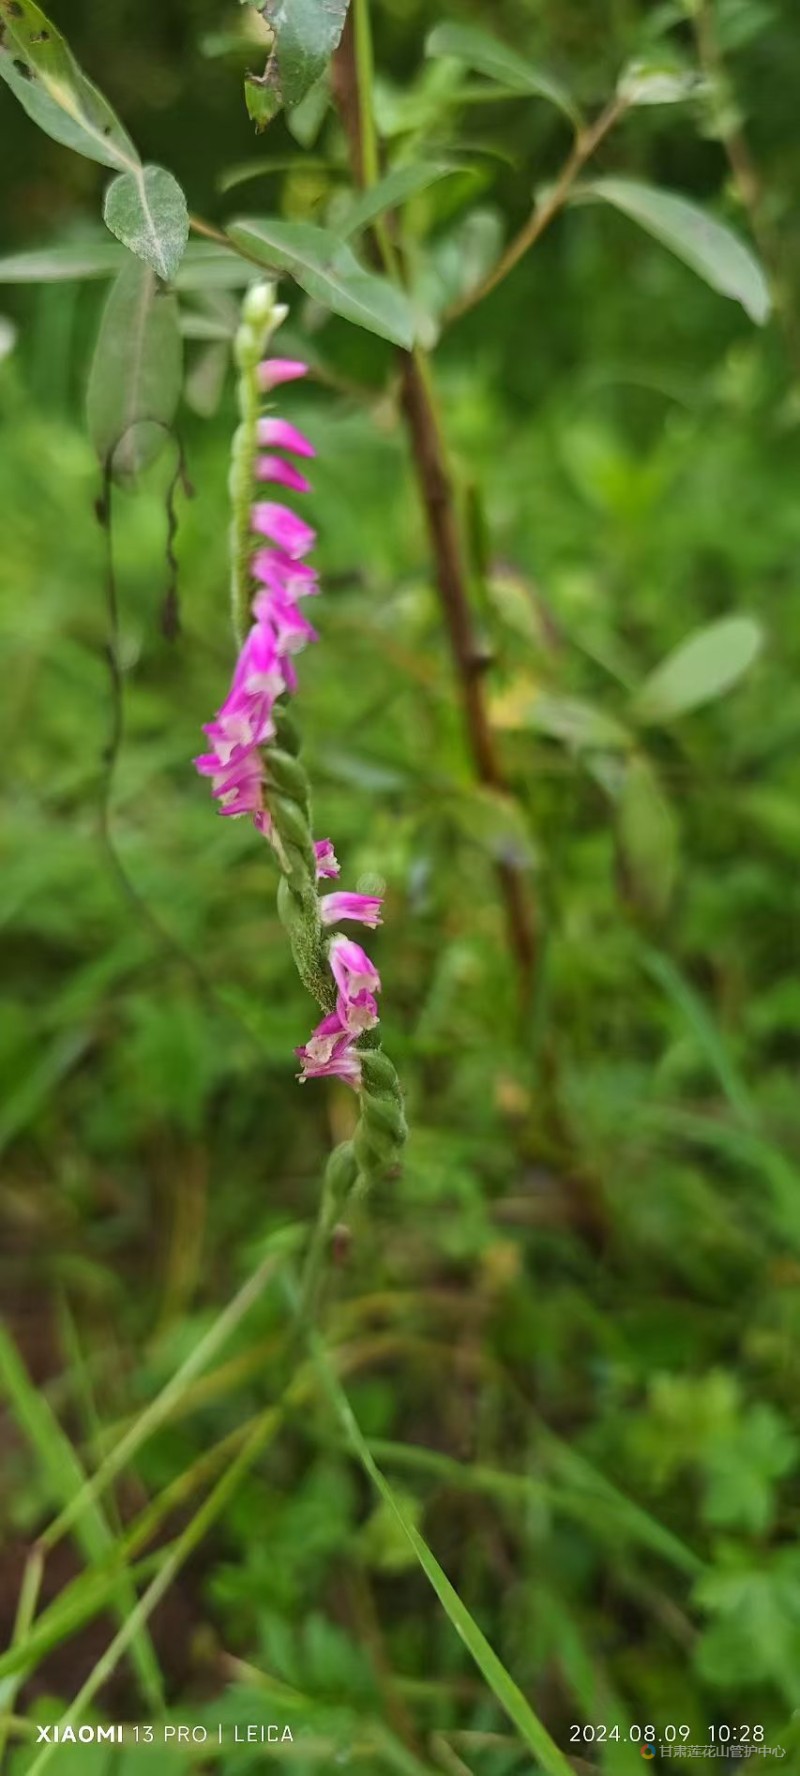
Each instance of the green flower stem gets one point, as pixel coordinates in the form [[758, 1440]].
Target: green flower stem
[[341, 1175]]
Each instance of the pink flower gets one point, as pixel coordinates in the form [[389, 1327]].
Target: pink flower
[[242, 722], [258, 668], [283, 527], [281, 573], [279, 434], [325, 1039], [352, 970], [226, 758], [241, 726], [366, 908], [357, 1014], [290, 678], [327, 863], [273, 468], [239, 787], [330, 1050], [274, 371], [339, 1059], [290, 628]]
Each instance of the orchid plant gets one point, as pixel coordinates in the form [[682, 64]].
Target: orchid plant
[[254, 769], [253, 758]]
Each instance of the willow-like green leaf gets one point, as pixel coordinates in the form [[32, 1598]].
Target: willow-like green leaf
[[38, 65], [135, 379], [702, 668], [146, 210], [324, 266], [478, 49], [706, 245]]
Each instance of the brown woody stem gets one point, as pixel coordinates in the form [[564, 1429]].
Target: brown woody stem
[[438, 499], [585, 145]]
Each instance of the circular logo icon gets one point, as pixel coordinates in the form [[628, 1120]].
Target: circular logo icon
[[648, 1752]]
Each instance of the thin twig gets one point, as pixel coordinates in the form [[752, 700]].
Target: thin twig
[[314, 1268], [586, 143], [209, 232], [198, 226]]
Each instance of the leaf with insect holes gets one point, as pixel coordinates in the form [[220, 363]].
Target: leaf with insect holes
[[38, 65], [135, 379], [323, 266], [487, 55], [306, 33], [146, 210], [261, 100], [712, 250], [705, 666]]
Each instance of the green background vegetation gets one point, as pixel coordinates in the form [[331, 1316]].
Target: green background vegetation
[[569, 1330]]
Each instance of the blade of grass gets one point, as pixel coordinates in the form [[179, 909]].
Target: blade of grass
[[64, 1053], [160, 1408], [742, 1147], [507, 1692], [82, 1390], [142, 1652], [589, 1482], [262, 1431], [76, 1605], [524, 1488], [398, 1756], [65, 1480], [257, 1360], [683, 996], [586, 1674], [26, 1610], [87, 1595], [447, 1757]]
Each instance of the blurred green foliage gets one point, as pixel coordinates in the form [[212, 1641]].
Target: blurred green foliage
[[569, 1328]]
